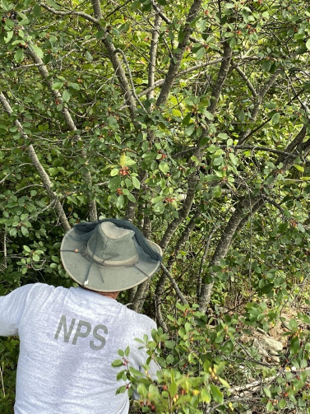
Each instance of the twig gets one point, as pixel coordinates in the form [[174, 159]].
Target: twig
[[71, 12], [153, 54], [203, 259], [174, 284], [247, 80], [2, 381]]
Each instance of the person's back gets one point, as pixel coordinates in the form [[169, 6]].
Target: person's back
[[69, 339]]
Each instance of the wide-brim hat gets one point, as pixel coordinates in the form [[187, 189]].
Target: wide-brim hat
[[105, 257]]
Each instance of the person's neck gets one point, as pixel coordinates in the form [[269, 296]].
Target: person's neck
[[111, 295]]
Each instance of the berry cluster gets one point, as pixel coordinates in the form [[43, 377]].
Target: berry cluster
[[124, 171]]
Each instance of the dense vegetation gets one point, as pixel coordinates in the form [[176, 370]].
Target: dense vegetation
[[191, 120]]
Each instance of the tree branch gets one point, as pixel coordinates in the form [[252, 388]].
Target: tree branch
[[97, 9], [73, 13], [174, 284], [176, 59], [247, 80], [36, 163], [258, 101], [153, 55], [184, 236], [68, 119], [181, 73]]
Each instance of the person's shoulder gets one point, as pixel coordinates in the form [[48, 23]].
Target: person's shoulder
[[143, 320], [43, 288]]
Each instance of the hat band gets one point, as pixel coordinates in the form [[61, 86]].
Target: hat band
[[113, 263]]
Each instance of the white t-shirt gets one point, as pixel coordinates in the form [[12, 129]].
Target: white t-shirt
[[68, 341]]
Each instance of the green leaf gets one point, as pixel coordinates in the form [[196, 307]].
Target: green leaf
[[164, 167], [19, 55], [117, 363], [127, 351], [275, 119], [267, 392], [27, 248], [25, 231], [66, 95], [88, 56], [308, 44], [53, 4], [121, 390], [35, 257], [57, 85], [187, 119], [136, 182], [9, 36], [205, 396], [131, 198], [170, 344], [36, 10], [216, 394], [37, 51], [114, 172]]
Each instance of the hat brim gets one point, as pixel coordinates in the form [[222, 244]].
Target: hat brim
[[104, 278]]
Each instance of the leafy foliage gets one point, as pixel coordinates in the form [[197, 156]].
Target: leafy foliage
[[191, 120]]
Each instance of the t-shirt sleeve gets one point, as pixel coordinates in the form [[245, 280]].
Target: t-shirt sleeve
[[12, 307]]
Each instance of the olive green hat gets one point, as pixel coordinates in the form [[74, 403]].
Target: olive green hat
[[109, 255]]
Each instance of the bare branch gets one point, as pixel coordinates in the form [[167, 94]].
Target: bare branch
[[97, 9], [174, 284], [153, 54], [258, 101], [129, 98], [247, 80], [184, 237], [72, 13], [130, 77], [203, 259], [181, 73], [178, 53], [48, 186], [221, 78]]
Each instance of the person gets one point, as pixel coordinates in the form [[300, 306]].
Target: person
[[69, 337]]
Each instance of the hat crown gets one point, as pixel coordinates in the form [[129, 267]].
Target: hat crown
[[112, 245]]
